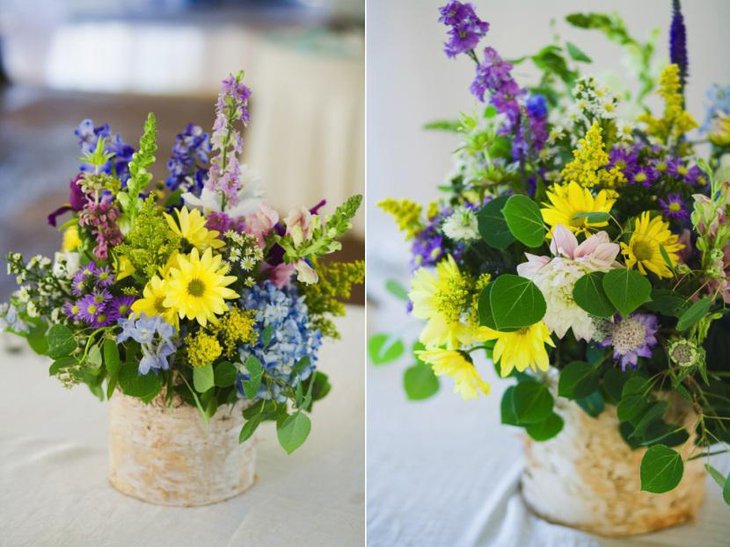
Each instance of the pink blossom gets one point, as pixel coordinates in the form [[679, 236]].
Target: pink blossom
[[597, 252], [279, 275], [260, 223], [299, 225]]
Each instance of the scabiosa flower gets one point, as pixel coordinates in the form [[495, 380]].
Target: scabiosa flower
[[466, 28], [674, 207], [155, 337], [632, 337], [188, 165], [685, 352], [290, 353]]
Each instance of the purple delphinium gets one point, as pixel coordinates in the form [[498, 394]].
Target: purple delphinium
[[674, 207], [678, 42], [466, 28], [632, 337], [88, 136], [221, 222], [188, 165], [155, 337]]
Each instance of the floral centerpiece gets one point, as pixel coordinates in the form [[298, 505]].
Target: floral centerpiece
[[586, 253], [192, 294]]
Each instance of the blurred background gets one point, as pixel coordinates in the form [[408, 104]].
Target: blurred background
[[62, 61]]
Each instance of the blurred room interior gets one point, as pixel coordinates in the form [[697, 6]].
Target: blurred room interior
[[114, 61]]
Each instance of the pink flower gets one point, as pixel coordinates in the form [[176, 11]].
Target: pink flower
[[597, 251], [299, 225], [279, 275], [260, 223]]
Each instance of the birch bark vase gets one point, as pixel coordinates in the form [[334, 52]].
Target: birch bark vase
[[588, 478], [169, 456]]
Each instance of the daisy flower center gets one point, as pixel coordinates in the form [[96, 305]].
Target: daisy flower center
[[643, 250], [196, 287]]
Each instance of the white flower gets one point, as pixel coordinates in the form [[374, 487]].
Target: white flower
[[249, 197], [66, 264], [461, 225]]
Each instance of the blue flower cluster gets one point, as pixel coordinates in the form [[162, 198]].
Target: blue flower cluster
[[287, 344], [188, 165], [718, 98], [154, 335], [88, 136]]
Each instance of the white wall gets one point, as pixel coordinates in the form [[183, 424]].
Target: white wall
[[410, 81]]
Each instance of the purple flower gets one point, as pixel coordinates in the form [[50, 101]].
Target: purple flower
[[673, 206], [492, 74], [632, 337], [89, 309], [155, 337], [644, 175], [188, 165], [221, 222], [625, 159], [72, 310], [678, 41], [122, 153], [120, 307], [104, 276], [76, 200], [466, 28], [101, 217], [536, 106]]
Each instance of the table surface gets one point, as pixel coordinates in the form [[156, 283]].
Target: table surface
[[446, 472], [54, 491]]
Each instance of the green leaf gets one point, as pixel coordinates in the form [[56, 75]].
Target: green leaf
[[383, 348], [631, 407], [515, 302], [255, 371], [493, 226], [145, 387], [486, 318], [577, 380], [626, 289], [224, 374], [722, 482], [593, 404], [112, 361], [321, 386], [613, 383], [525, 220], [594, 217], [532, 402], [547, 429], [203, 378], [37, 339], [293, 431], [267, 335], [588, 293], [249, 428], [576, 53], [94, 357], [451, 126], [420, 382], [696, 311], [661, 469], [61, 341], [396, 289], [667, 303], [507, 407], [60, 364]]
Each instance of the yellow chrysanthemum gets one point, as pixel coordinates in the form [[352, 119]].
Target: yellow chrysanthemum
[[198, 287], [190, 226], [644, 247], [71, 239], [521, 349], [468, 383], [442, 299], [202, 349], [153, 301], [565, 201], [589, 166]]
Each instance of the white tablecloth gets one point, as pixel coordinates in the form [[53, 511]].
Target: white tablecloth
[[446, 472], [54, 491]]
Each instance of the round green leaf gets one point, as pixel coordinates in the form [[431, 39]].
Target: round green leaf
[[547, 429], [532, 402], [61, 341], [224, 374], [493, 226], [203, 378], [593, 404], [143, 386], [293, 431], [507, 407], [588, 293], [525, 220], [661, 469], [577, 380], [420, 382], [383, 348], [515, 302], [626, 289]]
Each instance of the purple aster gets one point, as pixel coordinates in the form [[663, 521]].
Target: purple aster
[[71, 309], [625, 159], [632, 337], [678, 41], [120, 307], [104, 277], [673, 206], [221, 222], [102, 297], [89, 309], [644, 175], [466, 28], [695, 176]]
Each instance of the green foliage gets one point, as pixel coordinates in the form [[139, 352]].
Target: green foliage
[[383, 348], [98, 157], [61, 341], [396, 289], [546, 429], [576, 53], [524, 219], [661, 469], [150, 241], [511, 302], [532, 403], [577, 380], [293, 430], [691, 316], [492, 225], [255, 371], [139, 176], [224, 374], [143, 386], [722, 482], [420, 382], [203, 378], [626, 289], [589, 294]]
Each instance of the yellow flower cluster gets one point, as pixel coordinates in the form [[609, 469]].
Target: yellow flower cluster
[[676, 121], [237, 326], [202, 349], [588, 167], [406, 213]]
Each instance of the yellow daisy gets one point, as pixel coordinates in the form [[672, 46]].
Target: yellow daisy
[[455, 364], [190, 226], [568, 200], [520, 349], [442, 299], [643, 249], [198, 287], [153, 301]]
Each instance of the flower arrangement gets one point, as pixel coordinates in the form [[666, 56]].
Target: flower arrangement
[[585, 253], [193, 290]]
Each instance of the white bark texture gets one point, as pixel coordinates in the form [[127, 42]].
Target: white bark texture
[[169, 456], [588, 477]]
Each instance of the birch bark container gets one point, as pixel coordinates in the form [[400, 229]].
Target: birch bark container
[[169, 456], [588, 478]]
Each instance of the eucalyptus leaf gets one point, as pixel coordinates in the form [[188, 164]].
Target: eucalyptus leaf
[[203, 378], [661, 469], [420, 382], [383, 348], [515, 302], [293, 431], [532, 402], [492, 225], [524, 219], [626, 289]]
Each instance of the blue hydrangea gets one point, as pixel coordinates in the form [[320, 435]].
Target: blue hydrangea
[[718, 98], [287, 344], [154, 336], [188, 165], [11, 320]]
